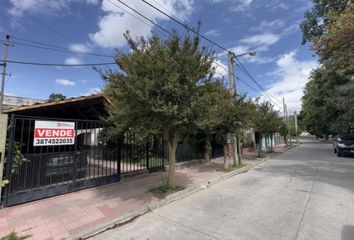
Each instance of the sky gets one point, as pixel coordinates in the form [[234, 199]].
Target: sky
[[270, 27]]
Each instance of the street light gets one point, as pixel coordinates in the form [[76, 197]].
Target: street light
[[232, 85], [252, 54], [231, 67]]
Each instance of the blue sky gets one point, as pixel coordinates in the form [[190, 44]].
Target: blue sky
[[271, 27]]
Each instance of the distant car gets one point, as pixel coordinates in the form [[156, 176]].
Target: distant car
[[343, 144]]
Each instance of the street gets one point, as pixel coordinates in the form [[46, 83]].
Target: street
[[304, 193]]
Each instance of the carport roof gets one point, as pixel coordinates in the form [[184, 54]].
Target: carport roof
[[84, 107]]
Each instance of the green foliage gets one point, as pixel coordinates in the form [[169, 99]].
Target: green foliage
[[328, 105], [234, 167], [265, 120], [318, 18], [14, 236], [157, 89], [17, 158], [56, 96], [283, 129], [165, 189]]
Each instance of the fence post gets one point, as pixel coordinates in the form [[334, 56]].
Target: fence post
[[9, 158], [75, 153], [119, 158], [163, 153], [147, 156]]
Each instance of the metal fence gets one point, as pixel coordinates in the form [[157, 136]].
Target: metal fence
[[37, 172]]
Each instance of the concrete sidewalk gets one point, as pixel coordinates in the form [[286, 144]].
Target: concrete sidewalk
[[71, 214]]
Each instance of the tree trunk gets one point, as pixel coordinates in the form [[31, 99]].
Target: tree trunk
[[271, 143], [172, 146], [207, 149], [285, 141], [234, 149], [260, 145], [239, 146], [226, 156]]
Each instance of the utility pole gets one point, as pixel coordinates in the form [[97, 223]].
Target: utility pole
[[297, 135], [286, 119], [232, 89], [7, 44], [288, 122]]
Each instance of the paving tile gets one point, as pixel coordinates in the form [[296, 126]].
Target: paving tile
[[61, 235], [67, 215]]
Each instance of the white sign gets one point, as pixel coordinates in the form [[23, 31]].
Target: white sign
[[51, 133]]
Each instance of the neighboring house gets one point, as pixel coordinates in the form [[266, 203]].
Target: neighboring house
[[13, 101]]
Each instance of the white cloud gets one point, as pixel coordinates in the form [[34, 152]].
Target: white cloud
[[220, 69], [269, 25], [79, 47], [18, 7], [91, 91], [293, 76], [46, 7], [241, 5], [92, 2], [236, 5], [73, 61], [213, 33], [259, 43], [266, 38], [115, 22], [64, 82]]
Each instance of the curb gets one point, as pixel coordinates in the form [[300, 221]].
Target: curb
[[169, 199]]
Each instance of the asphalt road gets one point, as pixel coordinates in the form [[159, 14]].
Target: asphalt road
[[304, 193]]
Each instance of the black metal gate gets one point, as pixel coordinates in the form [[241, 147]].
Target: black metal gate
[[36, 172]]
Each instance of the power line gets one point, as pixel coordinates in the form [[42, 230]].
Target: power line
[[209, 40], [163, 7], [143, 16], [142, 21], [58, 64], [155, 24], [50, 28], [51, 47], [185, 26], [243, 68], [247, 84]]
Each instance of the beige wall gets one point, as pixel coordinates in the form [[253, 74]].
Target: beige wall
[[3, 132]]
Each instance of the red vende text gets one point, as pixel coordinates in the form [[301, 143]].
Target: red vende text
[[53, 133]]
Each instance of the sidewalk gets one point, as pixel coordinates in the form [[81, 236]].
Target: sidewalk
[[68, 215]]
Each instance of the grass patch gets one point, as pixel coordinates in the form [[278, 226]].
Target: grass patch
[[234, 167], [13, 236], [164, 190], [153, 162]]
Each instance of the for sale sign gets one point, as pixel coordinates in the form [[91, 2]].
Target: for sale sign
[[51, 133]]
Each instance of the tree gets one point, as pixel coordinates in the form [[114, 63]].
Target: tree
[[56, 96], [283, 131], [222, 113], [265, 120], [327, 106], [318, 111], [157, 89], [231, 118], [319, 17]]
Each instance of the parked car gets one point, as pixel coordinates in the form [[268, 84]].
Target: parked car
[[73, 164], [343, 144], [55, 167]]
